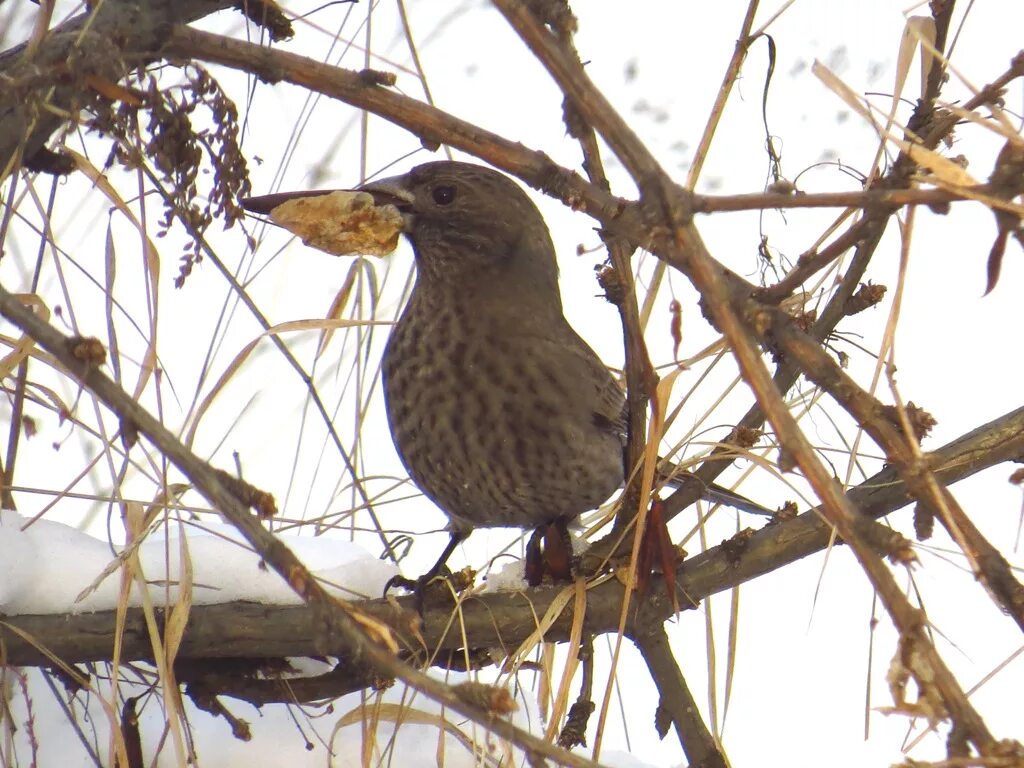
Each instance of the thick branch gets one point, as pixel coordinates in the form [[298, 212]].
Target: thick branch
[[499, 619]]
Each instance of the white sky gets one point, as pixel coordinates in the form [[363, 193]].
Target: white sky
[[802, 664]]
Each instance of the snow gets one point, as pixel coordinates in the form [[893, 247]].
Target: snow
[[45, 566]]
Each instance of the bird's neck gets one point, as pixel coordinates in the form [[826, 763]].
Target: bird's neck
[[510, 291], [495, 305]]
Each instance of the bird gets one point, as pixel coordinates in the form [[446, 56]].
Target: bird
[[501, 413]]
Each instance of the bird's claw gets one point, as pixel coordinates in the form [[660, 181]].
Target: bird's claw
[[433, 581]]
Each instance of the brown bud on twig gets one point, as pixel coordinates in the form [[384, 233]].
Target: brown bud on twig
[[250, 495], [924, 522], [88, 349], [493, 698], [744, 437], [921, 422], [868, 295]]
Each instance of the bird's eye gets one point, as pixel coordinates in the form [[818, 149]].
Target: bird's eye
[[443, 194]]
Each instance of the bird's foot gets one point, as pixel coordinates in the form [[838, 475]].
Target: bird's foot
[[549, 551], [404, 582], [418, 588], [457, 582], [434, 585]]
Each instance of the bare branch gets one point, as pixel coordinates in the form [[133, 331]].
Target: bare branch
[[500, 619], [674, 698]]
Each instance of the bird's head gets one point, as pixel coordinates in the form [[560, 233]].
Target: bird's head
[[465, 220], [472, 229]]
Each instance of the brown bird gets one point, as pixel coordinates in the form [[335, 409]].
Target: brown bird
[[500, 412]]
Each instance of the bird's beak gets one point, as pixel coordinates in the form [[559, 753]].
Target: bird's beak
[[394, 191], [391, 190], [264, 204]]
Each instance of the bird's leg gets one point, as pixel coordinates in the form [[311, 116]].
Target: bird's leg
[[534, 564], [558, 551], [549, 551], [417, 586]]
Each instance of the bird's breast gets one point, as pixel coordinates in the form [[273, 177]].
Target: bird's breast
[[491, 425]]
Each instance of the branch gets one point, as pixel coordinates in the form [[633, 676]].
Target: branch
[[620, 289], [988, 564], [938, 199], [497, 619], [674, 697]]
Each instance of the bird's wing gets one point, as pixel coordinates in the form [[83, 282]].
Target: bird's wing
[[583, 370], [610, 403]]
